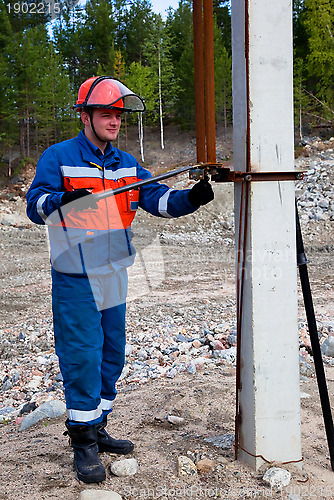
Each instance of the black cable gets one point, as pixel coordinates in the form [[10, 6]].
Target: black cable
[[314, 337]]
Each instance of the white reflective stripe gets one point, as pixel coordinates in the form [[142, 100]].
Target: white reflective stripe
[[84, 416], [74, 172], [87, 416], [105, 404], [39, 204], [81, 172], [163, 202], [120, 173]]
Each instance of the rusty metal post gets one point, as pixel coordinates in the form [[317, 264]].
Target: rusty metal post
[[210, 122], [199, 80]]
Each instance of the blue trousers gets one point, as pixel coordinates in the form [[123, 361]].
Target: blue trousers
[[90, 342]]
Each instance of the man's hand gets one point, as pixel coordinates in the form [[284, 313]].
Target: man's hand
[[201, 193], [82, 197]]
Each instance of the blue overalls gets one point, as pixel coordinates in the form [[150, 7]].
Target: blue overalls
[[90, 252]]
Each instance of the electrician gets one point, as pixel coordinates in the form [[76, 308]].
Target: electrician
[[90, 250]]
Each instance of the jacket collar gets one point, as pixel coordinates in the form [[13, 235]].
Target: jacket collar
[[92, 154]]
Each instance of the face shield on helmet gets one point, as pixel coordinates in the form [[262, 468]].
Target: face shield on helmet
[[108, 92]]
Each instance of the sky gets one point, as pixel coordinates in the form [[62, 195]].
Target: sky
[[161, 6]]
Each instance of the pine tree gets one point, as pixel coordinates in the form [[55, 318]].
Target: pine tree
[[157, 55], [221, 10], [36, 103], [72, 42], [9, 136], [137, 29], [109, 67], [6, 29], [223, 79], [319, 25], [100, 32], [25, 55], [300, 38], [22, 17], [56, 117], [180, 28], [141, 81]]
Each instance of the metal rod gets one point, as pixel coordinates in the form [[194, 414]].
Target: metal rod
[[312, 326], [217, 170], [266, 176], [210, 122], [137, 185], [199, 79]]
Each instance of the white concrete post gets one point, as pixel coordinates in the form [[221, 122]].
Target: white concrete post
[[264, 141]]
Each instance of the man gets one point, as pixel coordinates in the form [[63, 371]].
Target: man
[[90, 246]]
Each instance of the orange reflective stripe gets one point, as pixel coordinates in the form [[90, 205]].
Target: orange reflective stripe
[[112, 213]]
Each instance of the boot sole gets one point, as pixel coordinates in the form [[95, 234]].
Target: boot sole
[[105, 449], [90, 479]]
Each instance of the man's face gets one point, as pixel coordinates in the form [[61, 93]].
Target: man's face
[[107, 123]]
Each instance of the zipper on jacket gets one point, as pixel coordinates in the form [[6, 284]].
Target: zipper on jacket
[[107, 212]]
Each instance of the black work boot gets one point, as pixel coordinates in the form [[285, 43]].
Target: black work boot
[[109, 444], [83, 439]]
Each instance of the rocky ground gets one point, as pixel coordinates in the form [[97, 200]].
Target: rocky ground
[[177, 390]]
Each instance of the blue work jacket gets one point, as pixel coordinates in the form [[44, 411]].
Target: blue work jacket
[[90, 240]]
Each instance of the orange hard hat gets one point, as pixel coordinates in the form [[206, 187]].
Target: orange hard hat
[[107, 92]]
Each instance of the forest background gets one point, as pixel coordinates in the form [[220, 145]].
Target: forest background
[[44, 61]]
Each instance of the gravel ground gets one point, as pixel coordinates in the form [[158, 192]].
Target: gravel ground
[[181, 330]]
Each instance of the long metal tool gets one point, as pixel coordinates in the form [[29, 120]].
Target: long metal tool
[[218, 172], [312, 326], [139, 184]]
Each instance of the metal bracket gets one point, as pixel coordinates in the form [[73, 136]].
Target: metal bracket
[[218, 172], [221, 173]]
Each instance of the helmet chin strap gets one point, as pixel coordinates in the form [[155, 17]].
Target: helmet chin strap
[[90, 113]]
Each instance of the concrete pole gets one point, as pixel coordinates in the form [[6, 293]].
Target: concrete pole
[[268, 393]]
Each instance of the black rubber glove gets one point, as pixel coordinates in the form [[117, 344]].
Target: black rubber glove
[[85, 197], [201, 193]]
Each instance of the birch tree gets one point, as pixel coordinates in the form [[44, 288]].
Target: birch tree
[[157, 54], [141, 80]]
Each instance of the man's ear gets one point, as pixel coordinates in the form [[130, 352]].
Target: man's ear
[[85, 118]]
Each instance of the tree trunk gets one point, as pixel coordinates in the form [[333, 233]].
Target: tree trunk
[[141, 135], [37, 140], [22, 142], [300, 112], [160, 105], [27, 119], [10, 162], [225, 117]]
